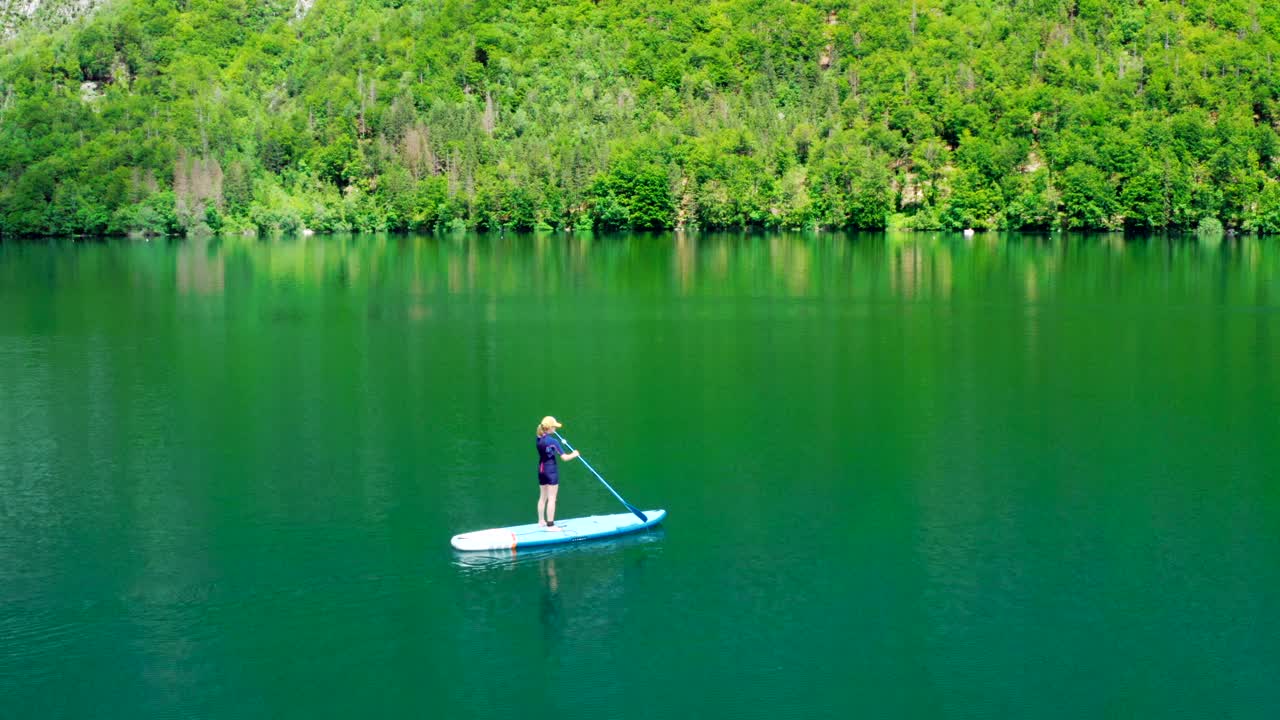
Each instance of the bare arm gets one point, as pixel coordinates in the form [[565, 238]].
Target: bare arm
[[569, 456]]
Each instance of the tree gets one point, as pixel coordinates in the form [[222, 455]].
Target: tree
[[1088, 198]]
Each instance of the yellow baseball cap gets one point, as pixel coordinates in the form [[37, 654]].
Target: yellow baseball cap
[[550, 422]]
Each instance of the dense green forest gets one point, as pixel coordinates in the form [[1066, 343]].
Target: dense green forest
[[170, 116]]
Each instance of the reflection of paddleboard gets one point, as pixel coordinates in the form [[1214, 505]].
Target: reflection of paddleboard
[[571, 530]]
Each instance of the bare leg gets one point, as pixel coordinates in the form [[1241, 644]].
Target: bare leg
[[542, 501], [552, 491]]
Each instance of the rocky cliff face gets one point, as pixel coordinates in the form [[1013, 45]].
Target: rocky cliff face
[[18, 15]]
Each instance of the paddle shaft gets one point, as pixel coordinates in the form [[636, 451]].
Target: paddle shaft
[[630, 507]]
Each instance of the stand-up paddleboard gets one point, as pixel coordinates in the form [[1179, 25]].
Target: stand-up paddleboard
[[571, 530]]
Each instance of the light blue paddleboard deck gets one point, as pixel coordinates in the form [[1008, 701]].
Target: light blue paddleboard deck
[[571, 530]]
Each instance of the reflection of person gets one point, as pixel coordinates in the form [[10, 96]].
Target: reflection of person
[[548, 477], [550, 611], [549, 574]]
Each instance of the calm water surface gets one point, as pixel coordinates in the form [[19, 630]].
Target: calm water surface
[[909, 477]]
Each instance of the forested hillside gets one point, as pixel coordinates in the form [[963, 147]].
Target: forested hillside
[[231, 115]]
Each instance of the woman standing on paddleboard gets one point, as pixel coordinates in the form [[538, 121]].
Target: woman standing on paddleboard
[[548, 477]]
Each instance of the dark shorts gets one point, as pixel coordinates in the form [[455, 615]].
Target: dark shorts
[[545, 479]]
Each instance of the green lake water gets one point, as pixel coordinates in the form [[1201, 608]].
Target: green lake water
[[908, 476]]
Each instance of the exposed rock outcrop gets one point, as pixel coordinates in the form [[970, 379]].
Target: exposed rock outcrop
[[18, 15]]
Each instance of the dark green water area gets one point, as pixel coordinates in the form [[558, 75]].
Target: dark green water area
[[908, 476]]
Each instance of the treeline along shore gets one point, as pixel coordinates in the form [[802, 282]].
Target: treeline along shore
[[242, 116]]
